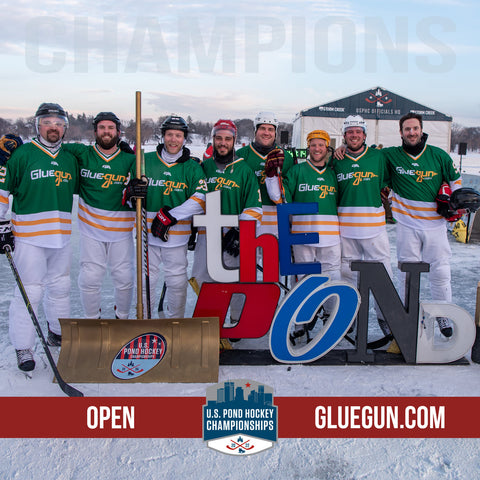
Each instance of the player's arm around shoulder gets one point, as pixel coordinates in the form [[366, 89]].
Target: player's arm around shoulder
[[76, 149]]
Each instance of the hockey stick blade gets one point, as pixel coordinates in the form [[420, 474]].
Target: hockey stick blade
[[66, 388]]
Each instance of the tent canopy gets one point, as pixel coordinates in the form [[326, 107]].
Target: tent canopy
[[381, 109]]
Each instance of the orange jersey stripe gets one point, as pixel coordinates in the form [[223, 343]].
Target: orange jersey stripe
[[410, 207], [366, 214], [101, 227], [106, 218], [45, 232], [41, 222], [403, 212]]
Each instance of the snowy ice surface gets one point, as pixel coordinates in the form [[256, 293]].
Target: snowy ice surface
[[289, 458]]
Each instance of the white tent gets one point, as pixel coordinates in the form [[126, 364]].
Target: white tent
[[381, 109]]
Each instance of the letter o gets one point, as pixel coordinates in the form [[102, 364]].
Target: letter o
[[92, 417]]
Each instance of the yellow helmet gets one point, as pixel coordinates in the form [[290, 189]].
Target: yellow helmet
[[318, 134]]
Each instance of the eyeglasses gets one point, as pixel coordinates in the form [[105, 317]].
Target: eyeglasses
[[49, 123]]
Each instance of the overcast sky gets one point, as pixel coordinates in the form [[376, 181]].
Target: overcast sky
[[233, 59]]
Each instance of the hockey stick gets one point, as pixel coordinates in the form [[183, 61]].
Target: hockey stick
[[146, 264], [162, 298], [294, 155], [280, 284], [476, 345], [67, 389], [284, 200], [467, 236]]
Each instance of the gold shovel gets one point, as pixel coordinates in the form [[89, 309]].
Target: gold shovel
[[141, 350]]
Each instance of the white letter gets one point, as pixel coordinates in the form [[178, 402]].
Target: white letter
[[92, 417], [44, 28], [320, 417], [346, 40], [223, 35], [159, 52], [253, 46], [213, 221], [447, 54], [104, 415]]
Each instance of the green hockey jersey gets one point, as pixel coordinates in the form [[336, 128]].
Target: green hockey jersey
[[42, 184], [102, 179], [240, 193], [256, 162], [415, 182], [360, 180], [306, 183], [180, 186]]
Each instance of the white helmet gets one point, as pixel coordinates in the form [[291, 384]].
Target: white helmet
[[354, 121], [265, 118]]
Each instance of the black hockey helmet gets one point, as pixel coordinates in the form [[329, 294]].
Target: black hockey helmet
[[50, 110], [106, 116], [174, 122], [465, 198]]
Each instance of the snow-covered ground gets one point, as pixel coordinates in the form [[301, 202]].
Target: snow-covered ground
[[290, 458]]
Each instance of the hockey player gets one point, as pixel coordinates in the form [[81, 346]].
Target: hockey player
[[417, 171], [240, 195], [42, 177], [361, 175], [176, 192], [106, 238], [313, 181], [255, 155]]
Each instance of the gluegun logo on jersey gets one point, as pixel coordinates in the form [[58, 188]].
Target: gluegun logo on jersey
[[239, 417]]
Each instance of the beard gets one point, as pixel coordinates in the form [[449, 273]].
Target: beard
[[106, 141], [52, 136]]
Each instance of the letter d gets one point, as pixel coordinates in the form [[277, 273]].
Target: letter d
[[458, 344]]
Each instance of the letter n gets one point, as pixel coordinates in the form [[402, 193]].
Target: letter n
[[403, 321]]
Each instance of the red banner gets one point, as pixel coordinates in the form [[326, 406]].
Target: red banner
[[181, 417]]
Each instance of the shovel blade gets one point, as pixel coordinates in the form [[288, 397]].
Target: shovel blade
[[183, 350]]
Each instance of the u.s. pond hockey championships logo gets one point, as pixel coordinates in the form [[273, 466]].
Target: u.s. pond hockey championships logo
[[239, 417], [139, 355]]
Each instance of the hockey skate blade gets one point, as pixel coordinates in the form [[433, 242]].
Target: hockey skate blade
[[146, 351]]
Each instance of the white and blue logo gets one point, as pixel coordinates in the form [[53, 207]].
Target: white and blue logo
[[240, 417], [139, 355]]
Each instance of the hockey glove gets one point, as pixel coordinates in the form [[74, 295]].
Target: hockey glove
[[8, 143], [6, 236], [231, 242], [136, 188], [444, 208], [162, 223], [125, 147], [385, 193], [274, 162]]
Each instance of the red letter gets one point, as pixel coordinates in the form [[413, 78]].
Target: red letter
[[248, 254], [258, 310]]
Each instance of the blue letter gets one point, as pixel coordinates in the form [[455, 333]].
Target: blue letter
[[287, 239], [300, 306]]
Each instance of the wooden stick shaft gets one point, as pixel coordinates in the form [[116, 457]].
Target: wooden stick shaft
[[477, 307], [138, 221]]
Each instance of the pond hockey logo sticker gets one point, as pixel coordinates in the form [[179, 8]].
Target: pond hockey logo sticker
[[239, 417], [139, 355]]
